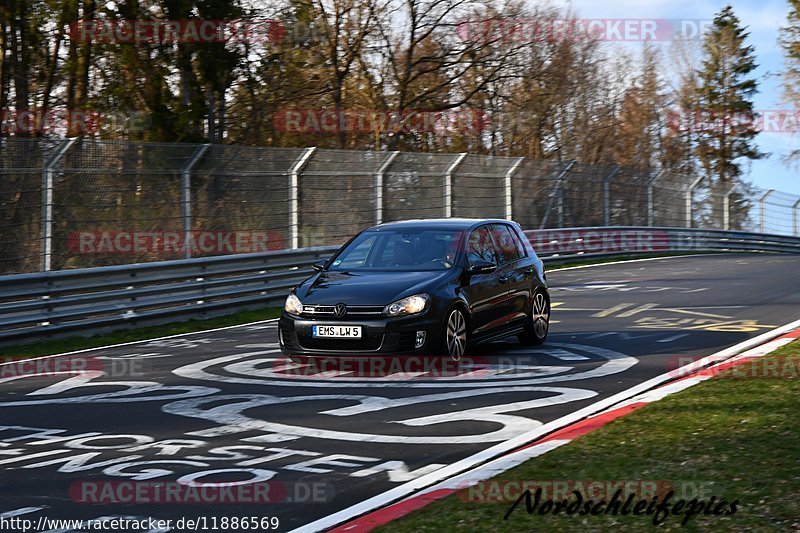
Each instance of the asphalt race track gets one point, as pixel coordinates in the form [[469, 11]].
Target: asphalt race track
[[225, 406]]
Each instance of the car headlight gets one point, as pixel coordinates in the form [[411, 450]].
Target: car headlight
[[293, 305], [409, 305]]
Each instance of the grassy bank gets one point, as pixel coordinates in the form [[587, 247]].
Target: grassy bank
[[735, 439]]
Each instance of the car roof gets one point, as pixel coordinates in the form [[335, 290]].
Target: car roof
[[438, 223]]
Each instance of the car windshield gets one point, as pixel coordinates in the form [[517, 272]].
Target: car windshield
[[400, 250]]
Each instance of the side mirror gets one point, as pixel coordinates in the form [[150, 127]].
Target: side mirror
[[482, 267], [319, 266]]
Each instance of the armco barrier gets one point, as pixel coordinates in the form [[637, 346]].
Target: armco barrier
[[562, 245], [93, 300]]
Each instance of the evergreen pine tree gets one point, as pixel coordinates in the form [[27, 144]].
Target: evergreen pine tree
[[727, 121]]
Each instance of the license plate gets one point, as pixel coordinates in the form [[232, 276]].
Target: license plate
[[337, 332]]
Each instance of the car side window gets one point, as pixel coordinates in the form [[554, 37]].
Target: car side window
[[520, 239], [507, 245], [480, 246]]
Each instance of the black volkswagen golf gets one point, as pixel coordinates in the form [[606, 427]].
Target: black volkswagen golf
[[432, 287]]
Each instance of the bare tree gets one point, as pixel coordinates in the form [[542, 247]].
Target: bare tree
[[428, 64]]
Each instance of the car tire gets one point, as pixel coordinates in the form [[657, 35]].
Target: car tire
[[455, 339], [537, 324]]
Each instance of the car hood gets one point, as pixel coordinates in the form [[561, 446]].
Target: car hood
[[366, 288]]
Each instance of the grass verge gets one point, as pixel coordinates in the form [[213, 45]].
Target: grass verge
[[731, 437], [69, 344]]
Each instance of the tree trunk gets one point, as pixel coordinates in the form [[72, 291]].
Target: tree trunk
[[212, 120], [52, 65], [19, 66], [82, 74], [4, 86]]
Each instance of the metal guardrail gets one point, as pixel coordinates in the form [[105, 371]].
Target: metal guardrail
[[93, 300], [565, 245]]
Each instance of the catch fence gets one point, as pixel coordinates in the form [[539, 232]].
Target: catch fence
[[79, 203]]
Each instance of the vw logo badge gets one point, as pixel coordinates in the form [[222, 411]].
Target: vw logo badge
[[339, 310]]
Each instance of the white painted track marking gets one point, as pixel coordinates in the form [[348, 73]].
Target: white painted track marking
[[493, 452]]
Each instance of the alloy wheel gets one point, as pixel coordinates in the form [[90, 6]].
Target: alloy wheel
[[540, 315], [456, 334]]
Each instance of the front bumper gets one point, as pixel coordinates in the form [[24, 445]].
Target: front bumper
[[385, 336]]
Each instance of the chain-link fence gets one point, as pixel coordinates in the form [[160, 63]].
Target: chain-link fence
[[82, 203]]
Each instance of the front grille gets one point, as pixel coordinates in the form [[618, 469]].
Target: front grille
[[367, 343], [354, 311]]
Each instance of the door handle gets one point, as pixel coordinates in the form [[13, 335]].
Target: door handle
[[502, 279], [530, 271]]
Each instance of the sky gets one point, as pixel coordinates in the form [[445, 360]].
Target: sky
[[763, 19]]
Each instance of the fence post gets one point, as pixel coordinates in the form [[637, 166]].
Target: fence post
[[294, 199], [689, 192], [726, 209], [509, 199], [607, 196], [763, 215], [556, 195], [650, 206], [796, 212], [448, 185], [48, 176], [186, 197], [379, 186]]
